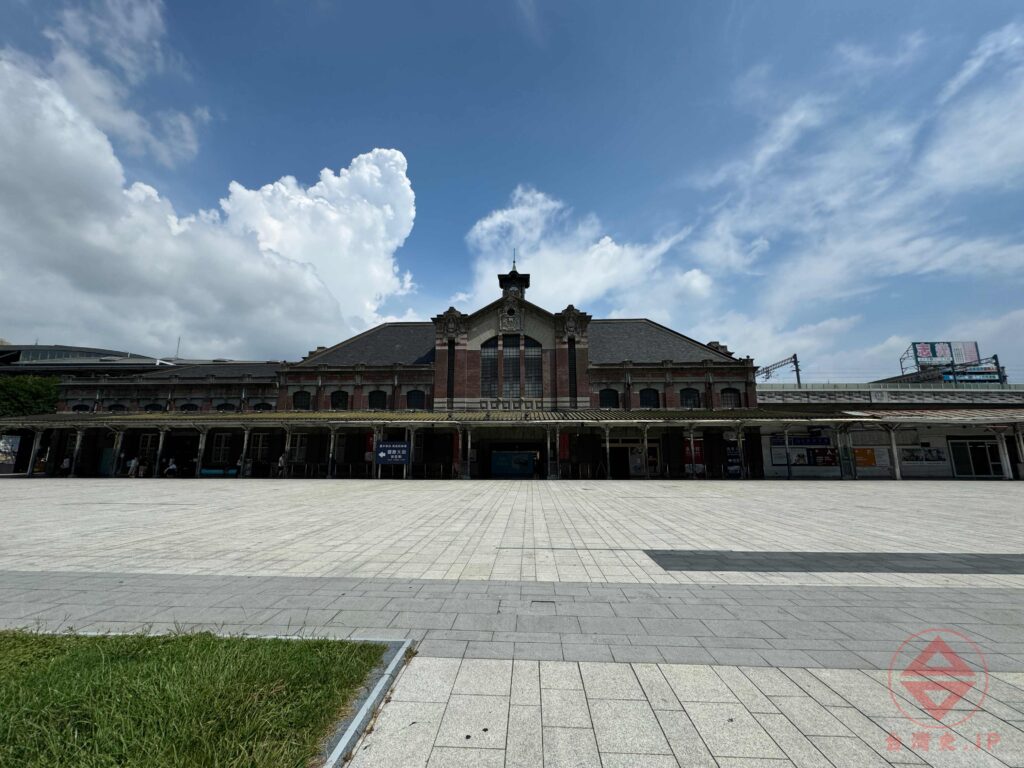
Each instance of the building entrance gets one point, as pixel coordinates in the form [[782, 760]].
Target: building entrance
[[975, 458]]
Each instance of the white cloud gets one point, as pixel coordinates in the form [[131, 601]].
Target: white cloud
[[1006, 43], [572, 260], [101, 52], [86, 257]]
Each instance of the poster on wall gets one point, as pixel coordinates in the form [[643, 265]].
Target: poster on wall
[[9, 448], [871, 457], [921, 455], [800, 456]]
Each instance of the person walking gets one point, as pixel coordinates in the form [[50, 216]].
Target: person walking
[[65, 467], [172, 469], [133, 467], [282, 465]]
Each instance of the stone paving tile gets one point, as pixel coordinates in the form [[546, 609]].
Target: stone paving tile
[[484, 677], [560, 674], [615, 760], [488, 649], [729, 730], [525, 746], [848, 752], [586, 652], [403, 735], [525, 682], [686, 743], [564, 708], [570, 748], [450, 757], [627, 726], [610, 681], [480, 722], [699, 683]]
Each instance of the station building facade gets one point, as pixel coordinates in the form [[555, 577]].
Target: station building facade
[[510, 390]]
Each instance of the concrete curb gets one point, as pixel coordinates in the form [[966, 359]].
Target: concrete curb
[[349, 730]]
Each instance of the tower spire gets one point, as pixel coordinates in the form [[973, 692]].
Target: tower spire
[[513, 259]]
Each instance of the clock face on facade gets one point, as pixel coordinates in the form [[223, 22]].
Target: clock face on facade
[[513, 290]]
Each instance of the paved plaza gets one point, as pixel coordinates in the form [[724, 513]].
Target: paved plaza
[[569, 623]]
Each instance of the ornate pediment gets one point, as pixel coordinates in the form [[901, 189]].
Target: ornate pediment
[[571, 323], [450, 324]]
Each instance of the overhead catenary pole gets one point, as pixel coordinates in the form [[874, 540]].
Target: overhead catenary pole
[[1004, 455], [897, 473]]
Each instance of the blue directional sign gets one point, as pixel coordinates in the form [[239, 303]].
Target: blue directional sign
[[391, 453]]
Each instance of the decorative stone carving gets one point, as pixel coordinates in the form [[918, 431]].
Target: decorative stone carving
[[571, 323], [511, 318], [451, 324]]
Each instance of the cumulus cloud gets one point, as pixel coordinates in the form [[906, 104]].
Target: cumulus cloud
[[88, 257], [573, 260]]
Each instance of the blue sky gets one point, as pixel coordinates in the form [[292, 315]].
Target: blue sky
[[830, 179]]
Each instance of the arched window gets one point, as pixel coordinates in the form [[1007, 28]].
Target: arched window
[[339, 400], [416, 399], [689, 398], [84, 408], [378, 400], [117, 408], [262, 407], [302, 401], [731, 398], [533, 386], [650, 398], [154, 408], [189, 407], [488, 368], [226, 408], [608, 398]]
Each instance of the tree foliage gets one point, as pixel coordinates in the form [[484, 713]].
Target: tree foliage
[[27, 395]]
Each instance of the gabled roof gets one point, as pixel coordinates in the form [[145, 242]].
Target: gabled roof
[[536, 308], [645, 341], [386, 344]]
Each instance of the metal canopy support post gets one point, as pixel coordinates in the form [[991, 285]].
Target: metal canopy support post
[[412, 451], [378, 435], [469, 454], [200, 452], [897, 473], [558, 452], [79, 434], [457, 465], [607, 452], [1004, 455], [159, 451], [647, 461], [1019, 434], [115, 464], [547, 451], [245, 451], [37, 440], [789, 461], [693, 456], [286, 469], [837, 434], [405, 467], [739, 447]]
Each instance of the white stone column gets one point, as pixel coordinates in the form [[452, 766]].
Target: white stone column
[[897, 474], [116, 464], [245, 451], [37, 439], [1004, 456], [159, 452], [79, 434], [199, 454]]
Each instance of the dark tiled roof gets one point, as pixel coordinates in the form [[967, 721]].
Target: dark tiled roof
[[644, 341], [218, 370], [387, 344]]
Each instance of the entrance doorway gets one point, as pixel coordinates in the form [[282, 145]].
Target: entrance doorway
[[975, 458]]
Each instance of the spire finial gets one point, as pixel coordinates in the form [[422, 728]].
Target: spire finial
[[513, 259]]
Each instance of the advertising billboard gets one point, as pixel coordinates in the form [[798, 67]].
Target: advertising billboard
[[937, 353]]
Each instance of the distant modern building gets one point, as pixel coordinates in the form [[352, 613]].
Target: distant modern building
[[514, 390]]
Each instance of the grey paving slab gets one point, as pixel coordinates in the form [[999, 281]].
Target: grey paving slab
[[403, 735], [486, 677], [570, 748], [525, 689], [480, 722], [560, 674], [461, 757], [800, 751], [729, 730], [525, 744], [627, 726], [610, 681], [686, 743], [564, 708], [809, 716], [696, 683]]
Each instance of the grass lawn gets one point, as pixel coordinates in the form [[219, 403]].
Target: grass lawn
[[180, 700]]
